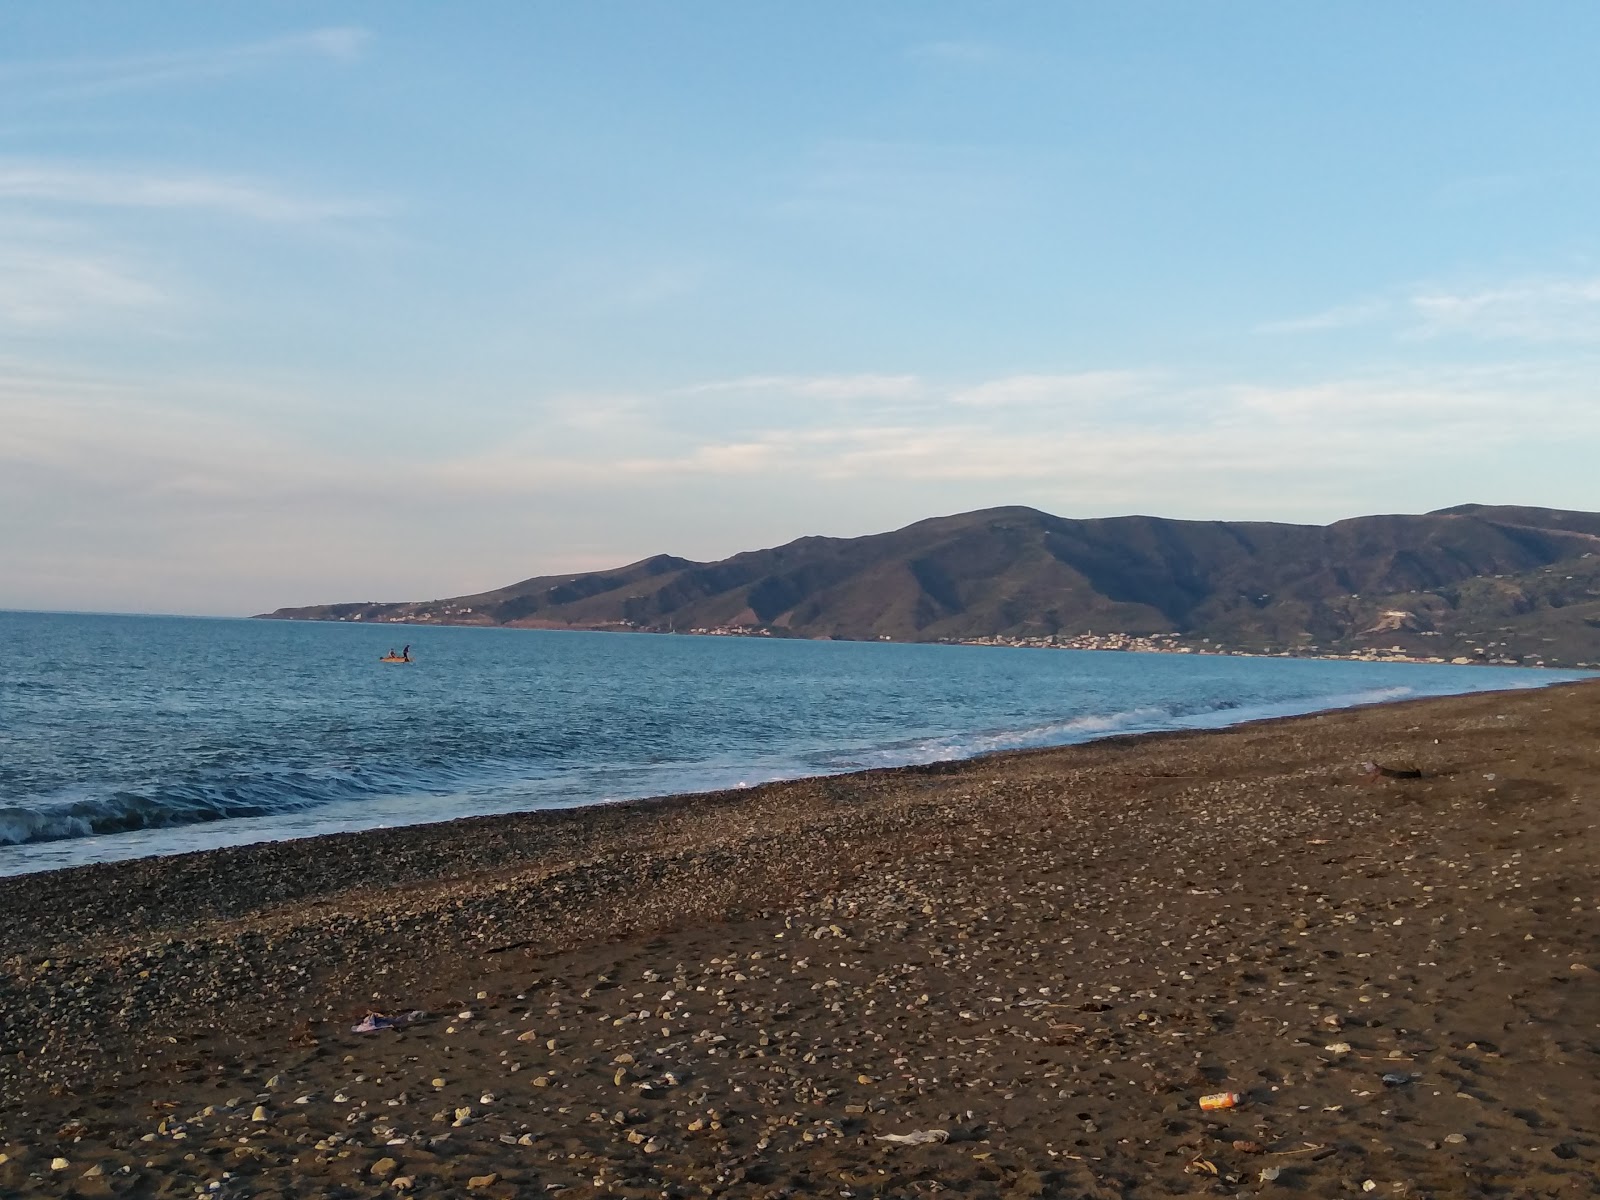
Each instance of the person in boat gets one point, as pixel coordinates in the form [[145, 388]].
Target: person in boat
[[406, 653]]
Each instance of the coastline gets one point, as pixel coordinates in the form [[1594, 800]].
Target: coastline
[[167, 980], [1121, 643]]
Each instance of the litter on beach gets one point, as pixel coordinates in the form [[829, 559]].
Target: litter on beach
[[376, 1022], [922, 1137]]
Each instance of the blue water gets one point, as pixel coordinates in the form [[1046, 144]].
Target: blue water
[[129, 736]]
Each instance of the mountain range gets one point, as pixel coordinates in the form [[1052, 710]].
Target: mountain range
[[1482, 582]]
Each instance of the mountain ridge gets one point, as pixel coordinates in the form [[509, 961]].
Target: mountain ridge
[[1501, 583]]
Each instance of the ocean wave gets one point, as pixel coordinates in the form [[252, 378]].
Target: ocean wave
[[267, 793]]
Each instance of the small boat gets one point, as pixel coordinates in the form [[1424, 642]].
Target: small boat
[[394, 658]]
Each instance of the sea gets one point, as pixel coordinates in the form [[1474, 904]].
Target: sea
[[127, 736]]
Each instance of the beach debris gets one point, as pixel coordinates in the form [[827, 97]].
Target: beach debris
[[919, 1137], [1221, 1100], [1396, 1078], [374, 1022], [1378, 771], [1270, 1174]]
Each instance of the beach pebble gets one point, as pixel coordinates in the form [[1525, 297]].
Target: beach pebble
[[1455, 1139], [1270, 1174], [385, 1167], [260, 1114], [59, 1164], [482, 1181]]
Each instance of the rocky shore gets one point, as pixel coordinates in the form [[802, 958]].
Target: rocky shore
[[1015, 976]]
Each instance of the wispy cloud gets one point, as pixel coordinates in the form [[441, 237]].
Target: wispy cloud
[[1537, 310], [1342, 316], [1077, 388], [894, 187], [964, 52], [83, 186], [185, 472], [41, 287], [1543, 309], [86, 77], [816, 387]]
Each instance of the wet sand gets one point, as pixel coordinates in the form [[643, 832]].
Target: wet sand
[[1036, 963]]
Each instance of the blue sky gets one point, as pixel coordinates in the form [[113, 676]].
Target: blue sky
[[319, 302]]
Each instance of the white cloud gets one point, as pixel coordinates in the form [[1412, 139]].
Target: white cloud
[[70, 78], [816, 387], [1547, 310], [202, 489], [962, 52], [1343, 316], [1539, 310], [1076, 388], [68, 185], [41, 287], [899, 189]]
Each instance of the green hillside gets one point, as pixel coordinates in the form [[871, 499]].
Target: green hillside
[[1480, 582]]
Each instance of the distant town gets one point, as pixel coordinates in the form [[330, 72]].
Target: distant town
[[1488, 654]]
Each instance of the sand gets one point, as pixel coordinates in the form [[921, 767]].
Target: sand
[[1032, 965]]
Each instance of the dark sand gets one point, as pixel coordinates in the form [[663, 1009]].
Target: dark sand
[[1047, 956]]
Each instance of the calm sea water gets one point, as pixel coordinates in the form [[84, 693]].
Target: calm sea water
[[130, 736]]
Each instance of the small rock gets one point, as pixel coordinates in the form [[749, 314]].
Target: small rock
[[482, 1181], [385, 1167], [59, 1164], [1270, 1174], [1455, 1139], [260, 1113]]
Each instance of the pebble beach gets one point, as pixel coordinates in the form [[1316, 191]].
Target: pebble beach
[[1374, 931]]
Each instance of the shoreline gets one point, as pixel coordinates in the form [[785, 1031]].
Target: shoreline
[[1215, 860], [223, 832], [1146, 643]]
